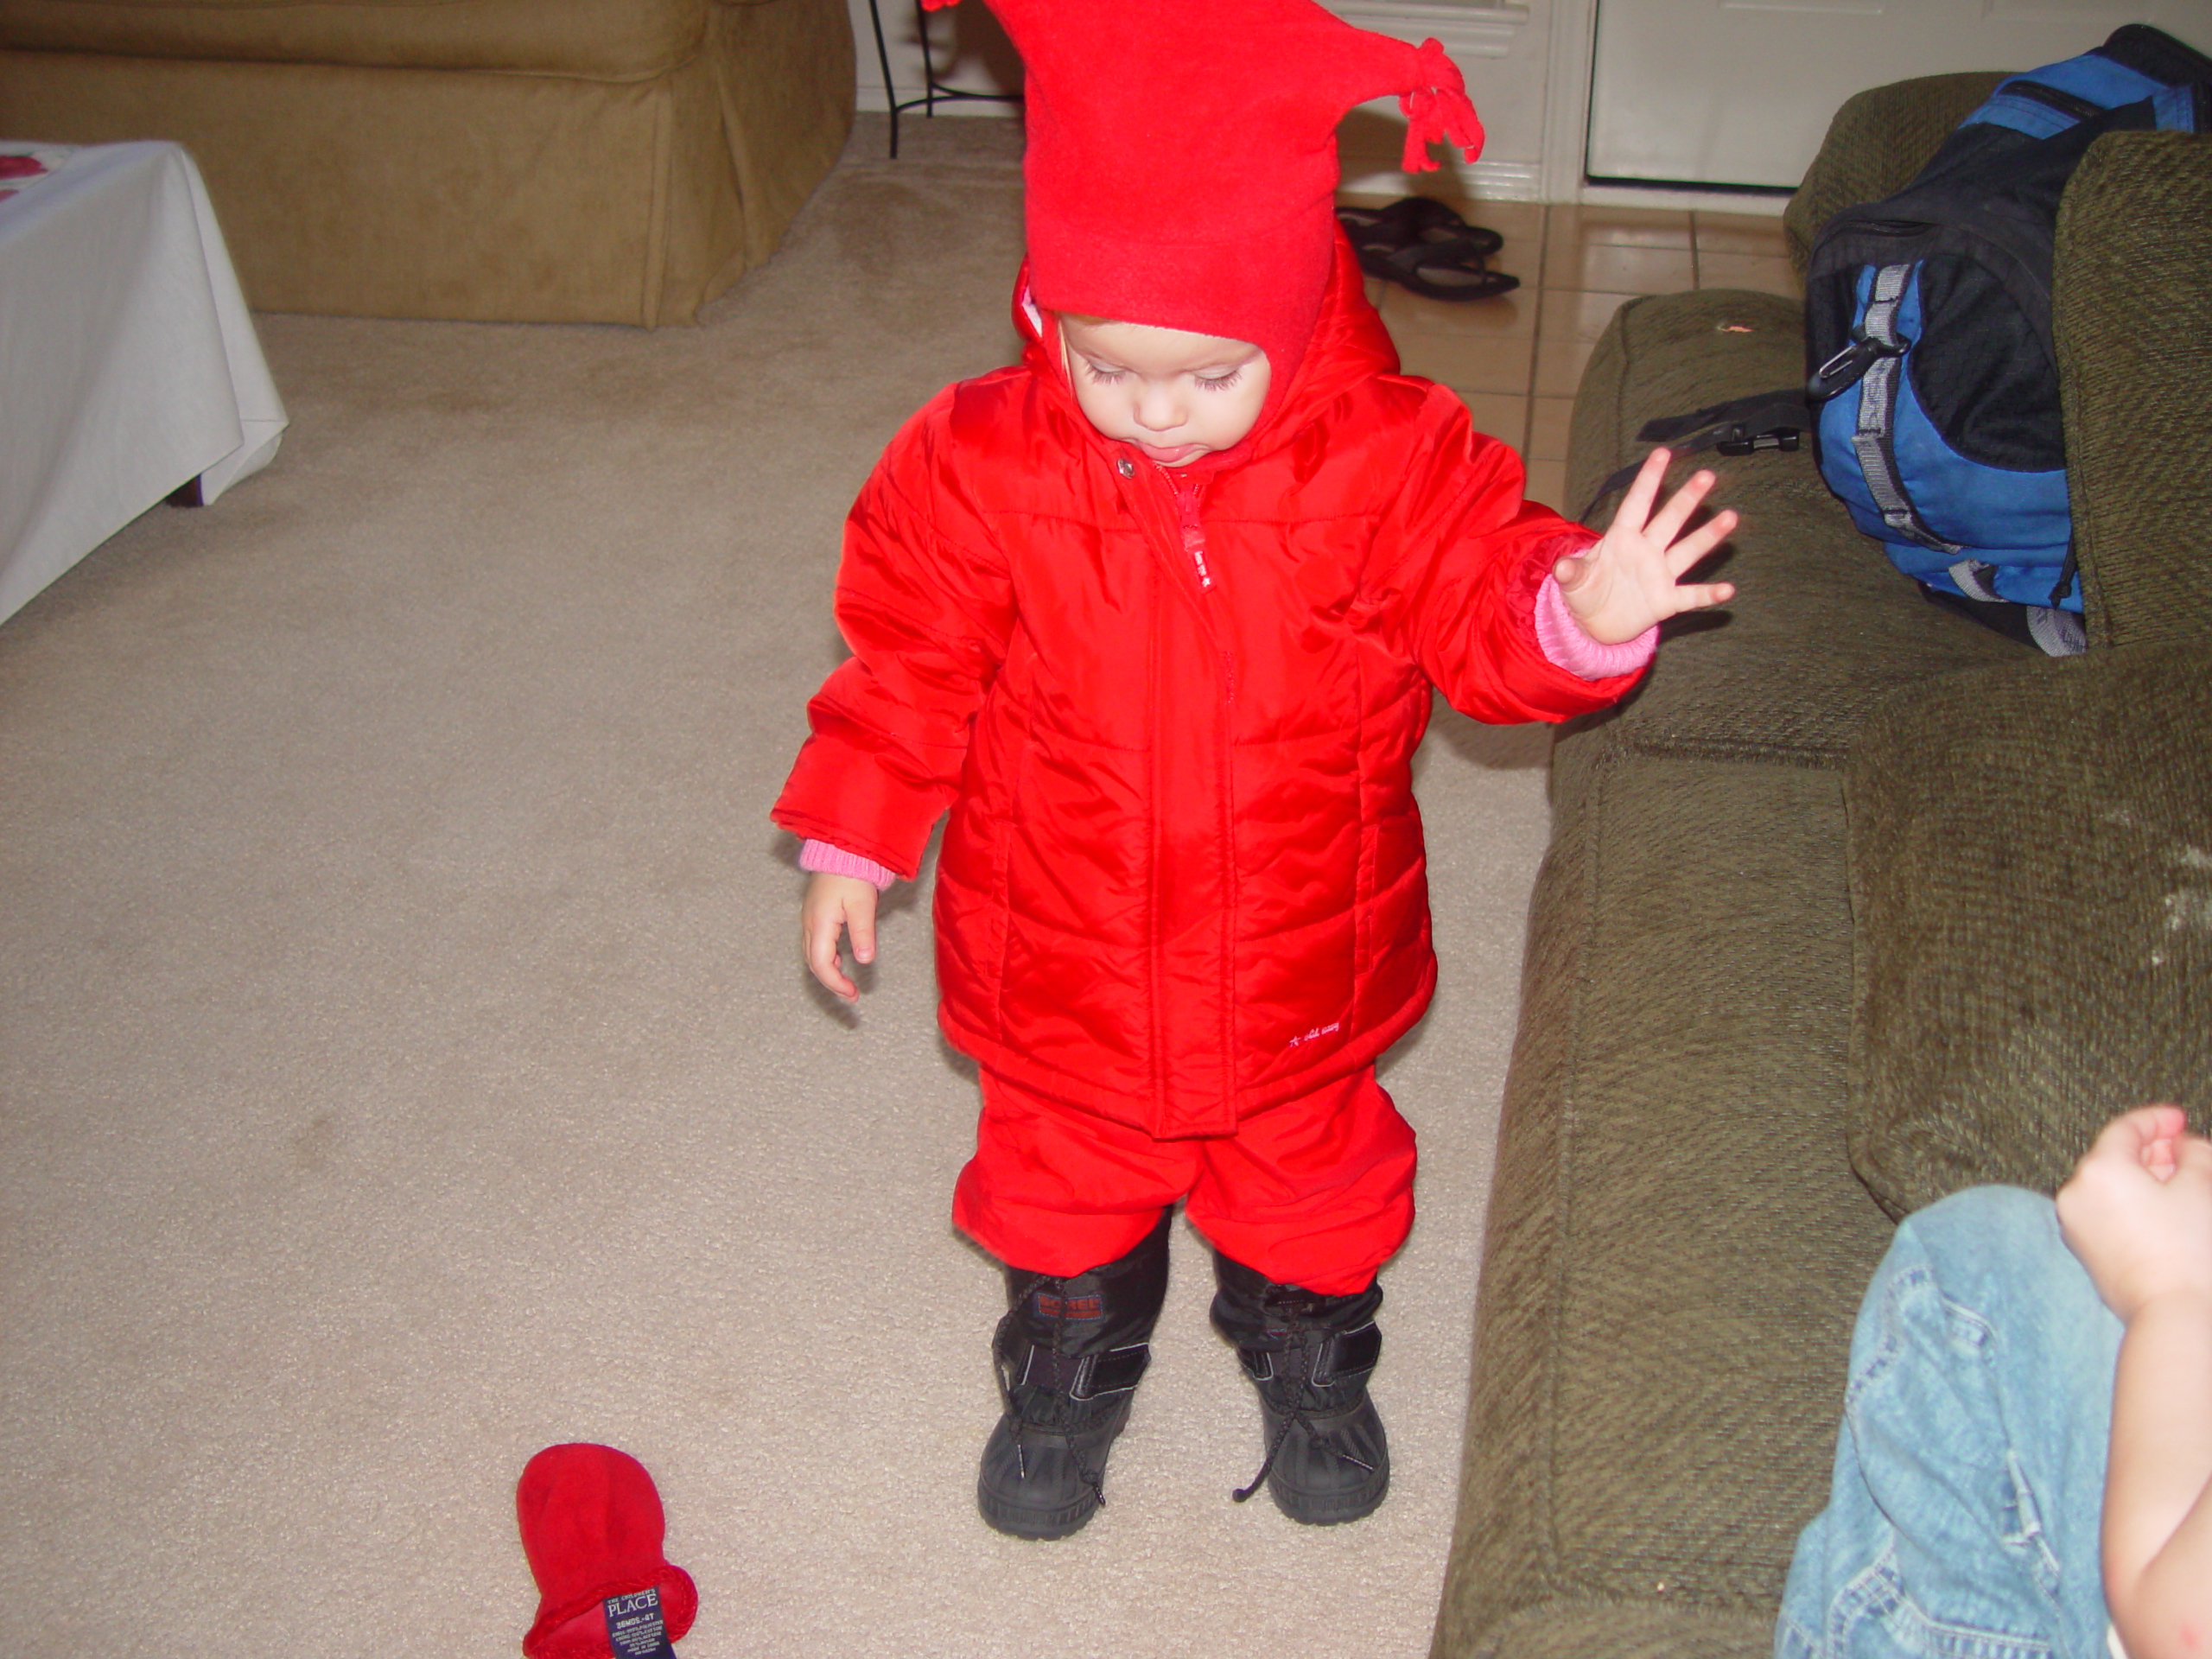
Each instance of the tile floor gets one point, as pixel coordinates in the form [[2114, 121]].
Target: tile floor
[[1516, 359]]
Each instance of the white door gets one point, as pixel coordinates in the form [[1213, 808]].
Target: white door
[[1739, 91]]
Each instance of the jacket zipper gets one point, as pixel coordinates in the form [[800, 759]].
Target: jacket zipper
[[1194, 534], [1187, 497], [1188, 492]]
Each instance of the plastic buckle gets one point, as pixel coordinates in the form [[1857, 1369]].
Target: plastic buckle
[[1734, 440], [1847, 366]]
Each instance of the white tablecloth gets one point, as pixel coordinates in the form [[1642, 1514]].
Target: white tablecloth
[[128, 362]]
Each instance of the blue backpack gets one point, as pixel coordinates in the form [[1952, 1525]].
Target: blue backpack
[[1927, 314], [1933, 400]]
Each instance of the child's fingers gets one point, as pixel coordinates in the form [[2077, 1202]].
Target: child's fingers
[[1699, 542], [2124, 1139], [828, 970], [1695, 597], [860, 927], [2122, 1156], [2162, 1129], [831, 973], [1636, 505], [1667, 522], [818, 936]]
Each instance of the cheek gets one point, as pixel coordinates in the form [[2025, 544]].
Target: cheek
[[1098, 402], [1241, 413]]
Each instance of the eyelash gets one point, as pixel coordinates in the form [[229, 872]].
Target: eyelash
[[1108, 377]]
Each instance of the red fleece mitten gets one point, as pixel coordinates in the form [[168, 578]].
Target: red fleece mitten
[[592, 1527]]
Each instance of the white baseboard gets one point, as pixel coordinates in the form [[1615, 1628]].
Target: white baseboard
[[1484, 181], [1676, 198]]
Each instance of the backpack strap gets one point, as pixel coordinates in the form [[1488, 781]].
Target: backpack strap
[[1767, 420], [1874, 441]]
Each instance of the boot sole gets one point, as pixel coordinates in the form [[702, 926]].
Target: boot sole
[[1037, 1526], [1326, 1512], [1330, 1508], [1023, 1520]]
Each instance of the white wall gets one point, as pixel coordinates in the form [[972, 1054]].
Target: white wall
[[969, 49], [1505, 48]]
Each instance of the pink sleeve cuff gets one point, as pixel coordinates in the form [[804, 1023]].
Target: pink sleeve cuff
[[822, 858], [1568, 647]]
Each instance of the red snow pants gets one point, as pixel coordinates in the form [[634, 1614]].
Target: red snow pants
[[1317, 1191]]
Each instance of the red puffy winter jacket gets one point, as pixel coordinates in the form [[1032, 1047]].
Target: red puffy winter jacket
[[1184, 877]]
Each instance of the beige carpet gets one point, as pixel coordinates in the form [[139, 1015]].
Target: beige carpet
[[405, 1061]]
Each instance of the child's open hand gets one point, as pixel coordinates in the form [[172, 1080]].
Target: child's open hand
[[2138, 1211], [834, 905], [1631, 579]]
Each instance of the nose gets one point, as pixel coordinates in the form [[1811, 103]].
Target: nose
[[1159, 409]]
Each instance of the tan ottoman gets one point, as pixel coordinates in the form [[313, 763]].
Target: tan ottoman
[[601, 160]]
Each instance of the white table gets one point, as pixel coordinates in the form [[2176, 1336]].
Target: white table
[[128, 363]]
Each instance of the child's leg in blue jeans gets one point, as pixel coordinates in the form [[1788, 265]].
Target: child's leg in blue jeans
[[1969, 1471]]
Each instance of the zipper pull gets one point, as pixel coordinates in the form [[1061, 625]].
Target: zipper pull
[[1194, 535]]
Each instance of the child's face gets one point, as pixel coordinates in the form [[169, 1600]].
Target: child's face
[[1175, 396]]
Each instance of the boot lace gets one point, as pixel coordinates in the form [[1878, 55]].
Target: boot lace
[[1293, 1396]]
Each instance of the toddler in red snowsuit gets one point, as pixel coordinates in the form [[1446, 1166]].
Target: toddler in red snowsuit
[[1157, 614]]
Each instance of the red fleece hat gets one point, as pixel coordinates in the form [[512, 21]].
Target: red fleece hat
[[592, 1527], [1181, 167]]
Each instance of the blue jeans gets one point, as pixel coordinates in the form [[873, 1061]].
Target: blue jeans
[[1969, 1472]]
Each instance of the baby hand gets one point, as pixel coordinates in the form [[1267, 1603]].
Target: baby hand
[[834, 904], [2138, 1211], [1632, 578]]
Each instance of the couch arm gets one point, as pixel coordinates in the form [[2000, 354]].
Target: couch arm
[[2131, 304]]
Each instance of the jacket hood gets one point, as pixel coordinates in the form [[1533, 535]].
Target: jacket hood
[[1349, 345]]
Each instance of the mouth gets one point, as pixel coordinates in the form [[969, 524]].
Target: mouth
[[1169, 455]]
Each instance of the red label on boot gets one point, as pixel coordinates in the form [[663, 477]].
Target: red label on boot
[[1070, 1307], [635, 1627]]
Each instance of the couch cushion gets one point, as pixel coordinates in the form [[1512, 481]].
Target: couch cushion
[[2132, 315], [1675, 1242], [2031, 880], [600, 39], [1822, 626], [1577, 1628]]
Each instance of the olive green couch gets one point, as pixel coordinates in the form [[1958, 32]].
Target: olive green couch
[[542, 161], [1856, 902]]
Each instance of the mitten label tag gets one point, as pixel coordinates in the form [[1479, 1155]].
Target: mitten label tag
[[634, 1626]]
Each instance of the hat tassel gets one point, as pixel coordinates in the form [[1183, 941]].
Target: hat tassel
[[1438, 108]]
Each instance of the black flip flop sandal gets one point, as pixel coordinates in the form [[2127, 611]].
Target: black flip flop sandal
[[1439, 270], [1414, 218]]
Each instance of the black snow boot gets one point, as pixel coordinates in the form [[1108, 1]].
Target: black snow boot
[[1068, 1353], [1327, 1459]]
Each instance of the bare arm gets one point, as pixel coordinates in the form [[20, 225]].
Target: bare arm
[[2157, 1530], [2139, 1213]]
